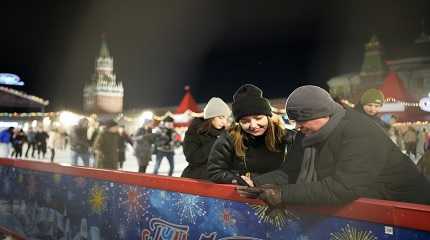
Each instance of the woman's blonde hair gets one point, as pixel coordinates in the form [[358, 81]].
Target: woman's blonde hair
[[274, 136]]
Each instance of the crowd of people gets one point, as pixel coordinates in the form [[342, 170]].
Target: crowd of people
[[100, 144], [106, 141], [333, 154], [32, 143]]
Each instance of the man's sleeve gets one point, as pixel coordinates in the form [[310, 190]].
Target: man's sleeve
[[357, 164], [277, 177]]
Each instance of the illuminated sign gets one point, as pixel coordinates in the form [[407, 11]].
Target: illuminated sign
[[393, 107], [425, 104], [10, 79]]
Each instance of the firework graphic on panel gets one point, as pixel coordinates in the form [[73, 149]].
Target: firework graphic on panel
[[227, 215], [279, 218], [135, 200], [80, 182], [97, 199], [189, 208], [351, 233]]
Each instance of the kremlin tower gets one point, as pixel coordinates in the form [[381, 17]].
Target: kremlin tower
[[103, 94]]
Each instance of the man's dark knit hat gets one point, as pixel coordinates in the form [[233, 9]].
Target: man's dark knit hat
[[309, 102], [248, 100]]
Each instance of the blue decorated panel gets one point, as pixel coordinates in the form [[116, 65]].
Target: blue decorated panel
[[43, 205]]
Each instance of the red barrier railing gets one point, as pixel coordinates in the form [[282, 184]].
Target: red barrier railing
[[399, 214]]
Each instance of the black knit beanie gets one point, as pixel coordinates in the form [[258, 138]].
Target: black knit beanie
[[248, 100], [310, 102]]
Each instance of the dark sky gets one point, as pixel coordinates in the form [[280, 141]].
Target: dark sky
[[212, 45]]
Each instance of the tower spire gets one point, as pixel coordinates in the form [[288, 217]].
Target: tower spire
[[424, 37], [104, 50], [104, 94], [373, 62], [373, 68]]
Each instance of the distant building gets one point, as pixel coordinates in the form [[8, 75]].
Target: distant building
[[103, 94], [411, 64], [182, 113], [12, 100], [188, 103]]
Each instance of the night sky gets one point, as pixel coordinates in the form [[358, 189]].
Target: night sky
[[212, 45]]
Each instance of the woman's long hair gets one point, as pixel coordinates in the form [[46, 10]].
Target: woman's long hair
[[274, 136], [205, 127]]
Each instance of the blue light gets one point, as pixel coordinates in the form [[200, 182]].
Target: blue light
[[425, 104], [10, 79]]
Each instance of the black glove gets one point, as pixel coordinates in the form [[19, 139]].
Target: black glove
[[272, 195], [269, 193], [249, 192]]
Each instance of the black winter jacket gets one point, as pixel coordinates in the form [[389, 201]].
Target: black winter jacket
[[79, 141], [356, 160], [224, 165], [197, 147]]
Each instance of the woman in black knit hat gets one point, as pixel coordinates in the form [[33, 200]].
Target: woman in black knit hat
[[255, 144]]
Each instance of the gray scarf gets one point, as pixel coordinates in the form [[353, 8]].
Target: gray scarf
[[308, 170]]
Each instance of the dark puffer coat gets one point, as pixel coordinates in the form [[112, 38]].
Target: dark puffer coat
[[356, 160], [224, 165], [106, 150], [197, 146], [359, 108]]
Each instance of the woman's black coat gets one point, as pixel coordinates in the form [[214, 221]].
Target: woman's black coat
[[197, 146], [224, 166]]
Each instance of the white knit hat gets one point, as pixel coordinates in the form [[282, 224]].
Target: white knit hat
[[216, 107]]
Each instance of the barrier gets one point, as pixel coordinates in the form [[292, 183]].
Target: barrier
[[49, 201]]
